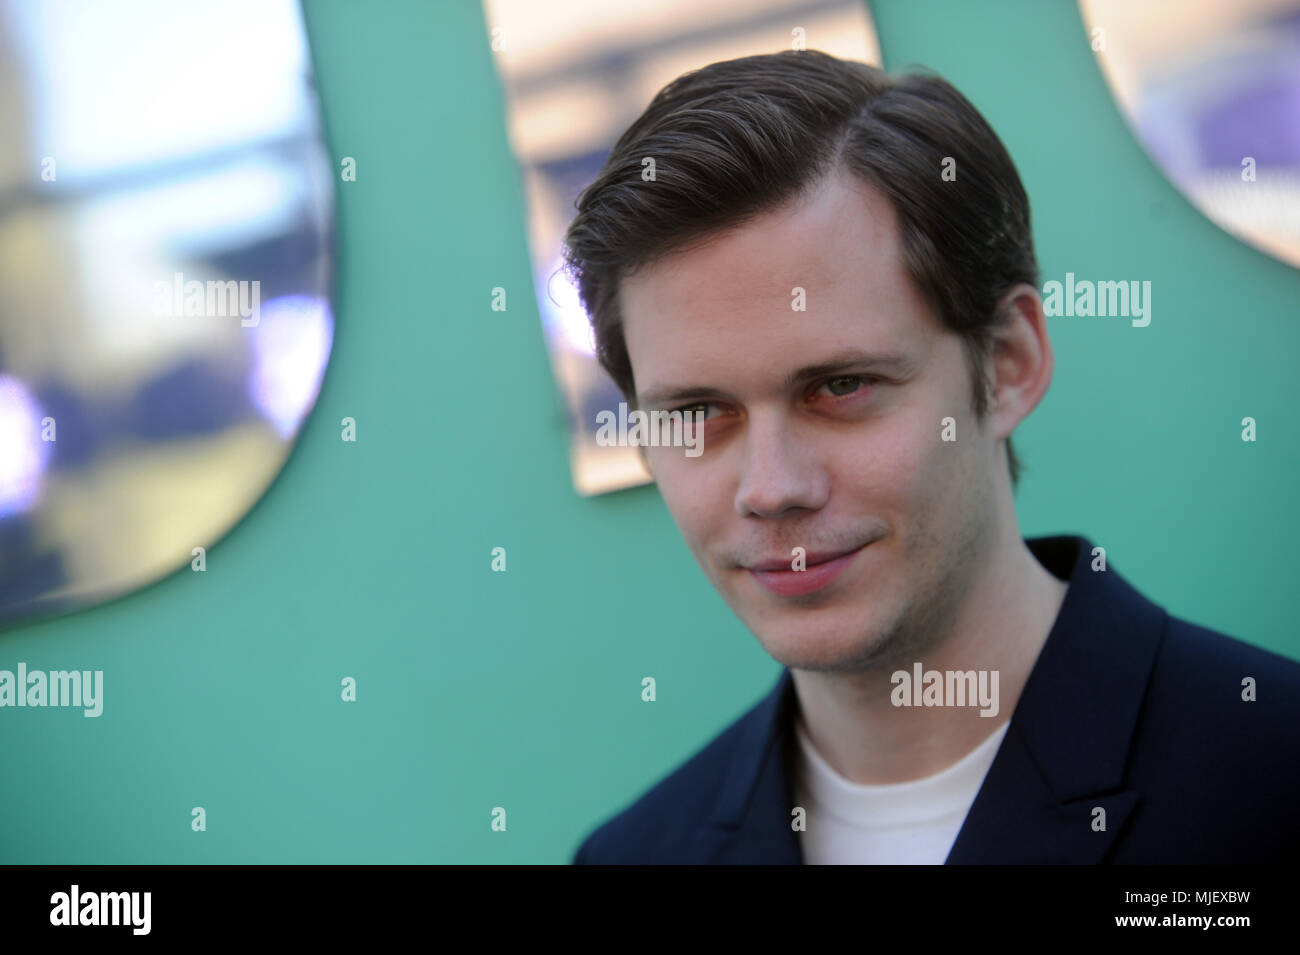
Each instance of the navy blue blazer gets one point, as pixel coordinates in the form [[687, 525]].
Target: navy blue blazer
[[1126, 708]]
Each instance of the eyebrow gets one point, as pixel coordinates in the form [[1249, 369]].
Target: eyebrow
[[849, 361]]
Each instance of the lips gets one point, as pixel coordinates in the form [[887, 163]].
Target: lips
[[823, 567], [811, 559]]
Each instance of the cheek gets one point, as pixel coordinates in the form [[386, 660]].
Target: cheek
[[905, 473], [893, 460], [691, 497]]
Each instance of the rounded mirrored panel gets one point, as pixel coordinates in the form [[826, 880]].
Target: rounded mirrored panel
[[166, 222], [1212, 91]]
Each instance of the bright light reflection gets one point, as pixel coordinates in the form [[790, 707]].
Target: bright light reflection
[[291, 345], [23, 454]]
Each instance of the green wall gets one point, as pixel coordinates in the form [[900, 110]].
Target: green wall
[[521, 689]]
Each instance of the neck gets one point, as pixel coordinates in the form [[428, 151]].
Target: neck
[[1000, 625]]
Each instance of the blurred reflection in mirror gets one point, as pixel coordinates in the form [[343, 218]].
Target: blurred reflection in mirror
[[1212, 91], [166, 216], [576, 75]]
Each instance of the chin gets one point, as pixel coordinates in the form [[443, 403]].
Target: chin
[[812, 647]]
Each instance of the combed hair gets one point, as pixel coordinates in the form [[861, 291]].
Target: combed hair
[[742, 137]]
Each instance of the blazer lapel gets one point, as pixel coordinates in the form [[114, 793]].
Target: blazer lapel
[[751, 821], [1065, 750]]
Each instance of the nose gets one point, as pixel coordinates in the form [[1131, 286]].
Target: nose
[[780, 474]]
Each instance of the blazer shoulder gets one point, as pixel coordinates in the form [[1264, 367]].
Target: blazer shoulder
[[1189, 646], [1220, 684], [1213, 754], [657, 826]]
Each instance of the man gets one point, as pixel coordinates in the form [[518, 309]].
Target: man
[[835, 270]]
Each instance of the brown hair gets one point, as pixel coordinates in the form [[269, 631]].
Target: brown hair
[[740, 137]]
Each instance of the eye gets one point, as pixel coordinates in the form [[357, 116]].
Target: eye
[[846, 384], [689, 410]]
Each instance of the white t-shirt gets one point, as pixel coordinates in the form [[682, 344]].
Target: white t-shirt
[[911, 823]]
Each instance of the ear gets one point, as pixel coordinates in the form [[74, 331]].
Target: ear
[[1022, 359]]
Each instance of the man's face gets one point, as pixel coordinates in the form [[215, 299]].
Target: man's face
[[811, 442]]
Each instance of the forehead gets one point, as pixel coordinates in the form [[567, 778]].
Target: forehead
[[702, 311]]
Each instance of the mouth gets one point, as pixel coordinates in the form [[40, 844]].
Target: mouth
[[822, 569]]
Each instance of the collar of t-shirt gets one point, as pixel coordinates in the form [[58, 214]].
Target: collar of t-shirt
[[915, 802]]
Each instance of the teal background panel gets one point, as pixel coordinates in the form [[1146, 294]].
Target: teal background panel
[[521, 689]]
